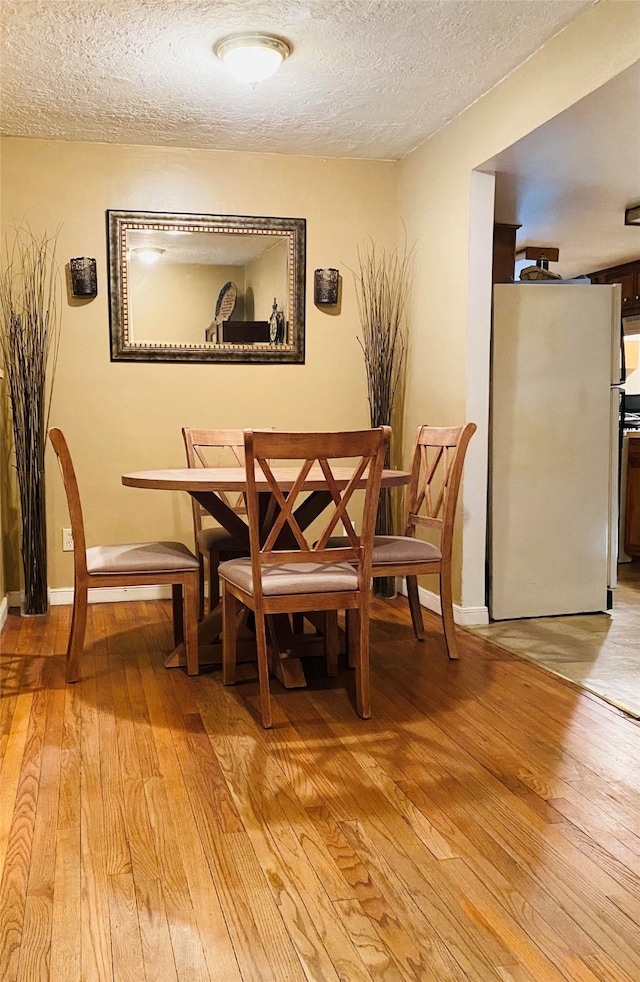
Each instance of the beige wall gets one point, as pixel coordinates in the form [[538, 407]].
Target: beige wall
[[3, 467], [121, 417], [267, 278], [435, 207], [175, 303], [434, 190], [3, 488]]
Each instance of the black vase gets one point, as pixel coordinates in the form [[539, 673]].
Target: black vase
[[35, 598], [384, 586]]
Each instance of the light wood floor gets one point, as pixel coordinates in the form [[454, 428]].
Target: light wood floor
[[600, 652], [483, 826]]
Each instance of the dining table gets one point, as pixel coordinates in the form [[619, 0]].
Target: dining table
[[209, 487]]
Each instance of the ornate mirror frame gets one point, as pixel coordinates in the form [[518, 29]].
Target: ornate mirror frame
[[123, 226]]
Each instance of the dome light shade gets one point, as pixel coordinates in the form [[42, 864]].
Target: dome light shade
[[148, 254], [252, 57]]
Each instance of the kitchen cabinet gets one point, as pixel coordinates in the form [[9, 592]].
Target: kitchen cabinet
[[504, 252], [628, 274], [632, 523]]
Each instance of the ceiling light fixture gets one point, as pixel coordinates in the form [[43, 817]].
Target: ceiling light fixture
[[148, 254], [632, 215], [252, 57]]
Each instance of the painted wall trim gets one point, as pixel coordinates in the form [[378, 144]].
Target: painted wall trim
[[464, 616], [4, 611], [102, 595], [478, 370]]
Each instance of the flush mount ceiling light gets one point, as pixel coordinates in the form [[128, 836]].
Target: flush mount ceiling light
[[632, 216], [252, 57], [148, 255]]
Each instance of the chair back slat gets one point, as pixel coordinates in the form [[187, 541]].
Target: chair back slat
[[438, 458], [286, 504], [306, 454], [215, 448]]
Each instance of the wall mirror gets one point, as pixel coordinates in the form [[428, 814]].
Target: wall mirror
[[226, 288]]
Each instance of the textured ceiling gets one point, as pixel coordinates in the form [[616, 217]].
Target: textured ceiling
[[367, 78]]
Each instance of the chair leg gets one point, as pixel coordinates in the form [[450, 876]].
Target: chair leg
[[200, 586], [190, 595], [229, 635], [77, 633], [263, 671], [448, 624], [348, 635], [359, 629], [332, 641], [178, 617], [214, 580], [414, 607]]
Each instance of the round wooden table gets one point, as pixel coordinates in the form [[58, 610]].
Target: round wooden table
[[204, 484]]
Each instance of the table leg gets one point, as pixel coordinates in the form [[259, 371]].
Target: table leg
[[282, 661]]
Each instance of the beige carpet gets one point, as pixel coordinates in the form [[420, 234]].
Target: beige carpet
[[600, 652]]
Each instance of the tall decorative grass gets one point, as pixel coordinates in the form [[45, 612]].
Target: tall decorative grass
[[382, 287], [29, 333]]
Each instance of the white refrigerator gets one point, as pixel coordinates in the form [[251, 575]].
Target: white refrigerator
[[554, 437]]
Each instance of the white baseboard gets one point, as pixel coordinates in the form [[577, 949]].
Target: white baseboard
[[102, 595], [465, 616]]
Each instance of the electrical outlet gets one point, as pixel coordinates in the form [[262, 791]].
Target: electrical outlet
[[67, 540]]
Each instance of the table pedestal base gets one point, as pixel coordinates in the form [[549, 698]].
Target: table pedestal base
[[285, 648]]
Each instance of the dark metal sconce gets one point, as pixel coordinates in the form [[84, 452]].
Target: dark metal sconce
[[84, 282], [326, 282]]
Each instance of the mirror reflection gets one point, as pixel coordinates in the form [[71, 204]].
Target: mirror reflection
[[201, 288]]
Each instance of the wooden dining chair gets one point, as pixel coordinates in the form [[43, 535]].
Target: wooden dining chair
[[432, 495], [214, 448], [137, 564], [293, 571]]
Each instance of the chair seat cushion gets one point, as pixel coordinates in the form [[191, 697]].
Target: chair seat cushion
[[396, 549], [219, 540], [141, 557], [292, 577], [403, 549]]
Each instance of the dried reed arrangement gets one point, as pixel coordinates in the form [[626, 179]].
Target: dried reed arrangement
[[29, 333], [382, 287]]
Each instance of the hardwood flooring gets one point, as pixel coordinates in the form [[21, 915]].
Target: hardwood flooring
[[484, 825]]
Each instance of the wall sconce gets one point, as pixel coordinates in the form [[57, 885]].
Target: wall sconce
[[632, 215], [84, 281], [325, 287]]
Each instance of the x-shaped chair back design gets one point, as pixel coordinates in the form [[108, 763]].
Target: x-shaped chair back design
[[293, 568], [436, 475], [215, 448]]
